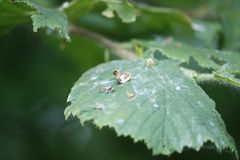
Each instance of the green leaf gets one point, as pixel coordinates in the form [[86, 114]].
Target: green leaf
[[123, 8], [165, 19], [151, 21], [207, 33], [220, 66], [224, 61], [19, 11], [228, 13], [166, 109], [78, 7]]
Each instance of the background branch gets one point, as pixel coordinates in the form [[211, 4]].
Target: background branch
[[104, 42]]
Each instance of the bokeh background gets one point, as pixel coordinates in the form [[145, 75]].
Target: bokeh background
[[37, 72]]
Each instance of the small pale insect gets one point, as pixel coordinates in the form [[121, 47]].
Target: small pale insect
[[122, 77], [107, 89], [99, 106], [150, 62], [130, 95]]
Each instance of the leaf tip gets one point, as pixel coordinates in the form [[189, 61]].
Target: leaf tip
[[67, 112]]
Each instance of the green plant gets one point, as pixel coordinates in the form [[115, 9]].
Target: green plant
[[167, 55]]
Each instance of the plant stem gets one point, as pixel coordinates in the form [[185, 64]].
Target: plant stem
[[212, 77], [217, 78], [105, 42]]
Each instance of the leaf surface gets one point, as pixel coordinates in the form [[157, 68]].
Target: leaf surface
[[225, 61], [159, 105]]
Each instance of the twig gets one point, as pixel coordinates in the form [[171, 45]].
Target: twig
[[218, 78], [211, 77], [105, 42]]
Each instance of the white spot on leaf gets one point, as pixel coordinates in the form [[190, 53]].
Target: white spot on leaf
[[153, 100], [100, 106], [167, 112], [211, 123], [120, 121], [200, 104], [93, 78], [178, 88]]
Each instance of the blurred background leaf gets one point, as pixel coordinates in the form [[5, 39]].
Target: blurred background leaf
[[17, 12]]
